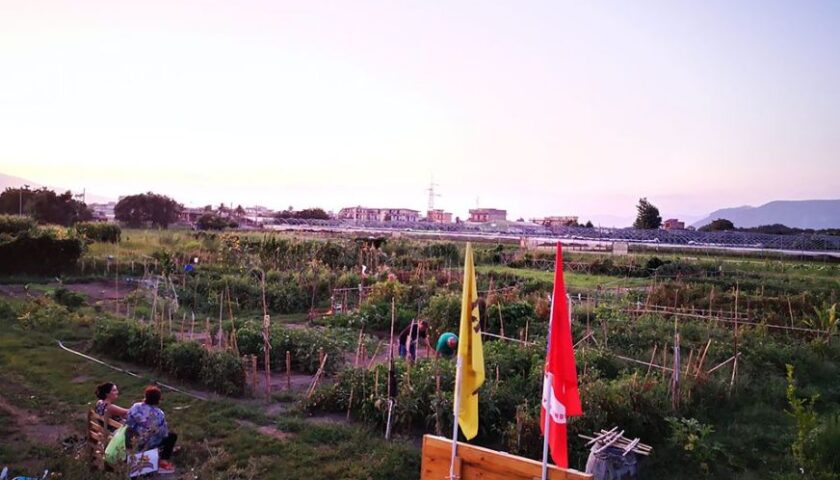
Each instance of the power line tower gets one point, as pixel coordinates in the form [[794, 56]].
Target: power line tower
[[432, 194]]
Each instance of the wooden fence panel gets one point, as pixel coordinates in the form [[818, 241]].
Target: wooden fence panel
[[474, 463]]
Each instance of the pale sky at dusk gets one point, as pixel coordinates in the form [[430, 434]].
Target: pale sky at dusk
[[541, 108]]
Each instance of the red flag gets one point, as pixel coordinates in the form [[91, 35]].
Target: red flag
[[560, 362]]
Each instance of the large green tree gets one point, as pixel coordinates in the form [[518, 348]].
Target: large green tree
[[137, 210], [306, 214], [44, 205], [647, 217], [719, 225]]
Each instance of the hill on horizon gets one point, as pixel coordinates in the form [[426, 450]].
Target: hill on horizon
[[815, 214], [11, 181]]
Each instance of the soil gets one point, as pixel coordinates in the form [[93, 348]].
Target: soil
[[95, 292], [34, 427], [266, 430]]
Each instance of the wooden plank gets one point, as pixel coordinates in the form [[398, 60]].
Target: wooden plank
[[485, 464], [114, 424]]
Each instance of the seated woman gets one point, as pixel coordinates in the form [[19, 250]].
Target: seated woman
[[146, 428], [107, 393]]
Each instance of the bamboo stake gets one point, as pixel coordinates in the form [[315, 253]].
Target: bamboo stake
[[501, 321], [790, 309], [721, 364], [735, 341], [359, 346], [317, 378], [373, 357], [652, 358], [288, 370], [688, 364], [702, 359]]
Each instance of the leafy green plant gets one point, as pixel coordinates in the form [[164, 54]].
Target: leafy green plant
[[825, 319], [68, 298], [694, 439], [99, 232]]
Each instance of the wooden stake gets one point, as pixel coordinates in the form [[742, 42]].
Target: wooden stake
[[790, 309], [288, 370], [317, 378], [501, 321], [359, 346], [652, 358], [254, 374], [373, 357], [699, 367], [527, 324]]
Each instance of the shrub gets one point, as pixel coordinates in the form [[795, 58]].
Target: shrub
[[44, 316], [223, 372], [68, 298], [692, 437], [305, 346], [14, 224], [99, 232], [208, 221], [184, 360], [38, 253]]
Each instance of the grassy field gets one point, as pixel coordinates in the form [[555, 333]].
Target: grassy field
[[573, 280], [720, 428], [219, 438]]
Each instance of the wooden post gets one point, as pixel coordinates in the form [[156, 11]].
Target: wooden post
[[702, 359], [735, 343], [652, 358], [438, 424], [288, 370], [790, 309], [359, 346], [501, 321], [254, 374], [373, 357], [208, 330], [266, 354], [116, 284], [527, 324]]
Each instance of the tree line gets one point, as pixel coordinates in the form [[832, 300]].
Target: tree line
[[151, 209]]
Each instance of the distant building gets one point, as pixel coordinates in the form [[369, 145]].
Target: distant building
[[191, 215], [364, 214], [673, 224], [103, 212], [487, 215], [557, 221], [439, 216]]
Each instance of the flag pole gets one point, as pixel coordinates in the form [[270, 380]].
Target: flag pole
[[548, 382], [456, 409]]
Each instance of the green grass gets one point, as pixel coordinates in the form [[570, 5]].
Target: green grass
[[217, 437], [573, 280]]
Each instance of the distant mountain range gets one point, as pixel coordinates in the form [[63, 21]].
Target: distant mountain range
[[814, 214], [9, 181]]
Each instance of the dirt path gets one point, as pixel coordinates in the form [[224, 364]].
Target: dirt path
[[94, 291], [34, 427]]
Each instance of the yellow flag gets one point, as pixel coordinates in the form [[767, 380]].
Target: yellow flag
[[470, 353]]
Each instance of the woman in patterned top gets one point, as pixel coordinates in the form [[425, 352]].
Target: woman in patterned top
[[107, 393], [147, 429]]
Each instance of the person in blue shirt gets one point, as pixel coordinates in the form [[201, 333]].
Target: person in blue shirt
[[146, 429]]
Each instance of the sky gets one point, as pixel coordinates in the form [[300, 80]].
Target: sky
[[540, 108]]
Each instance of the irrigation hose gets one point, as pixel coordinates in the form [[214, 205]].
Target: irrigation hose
[[122, 370]]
